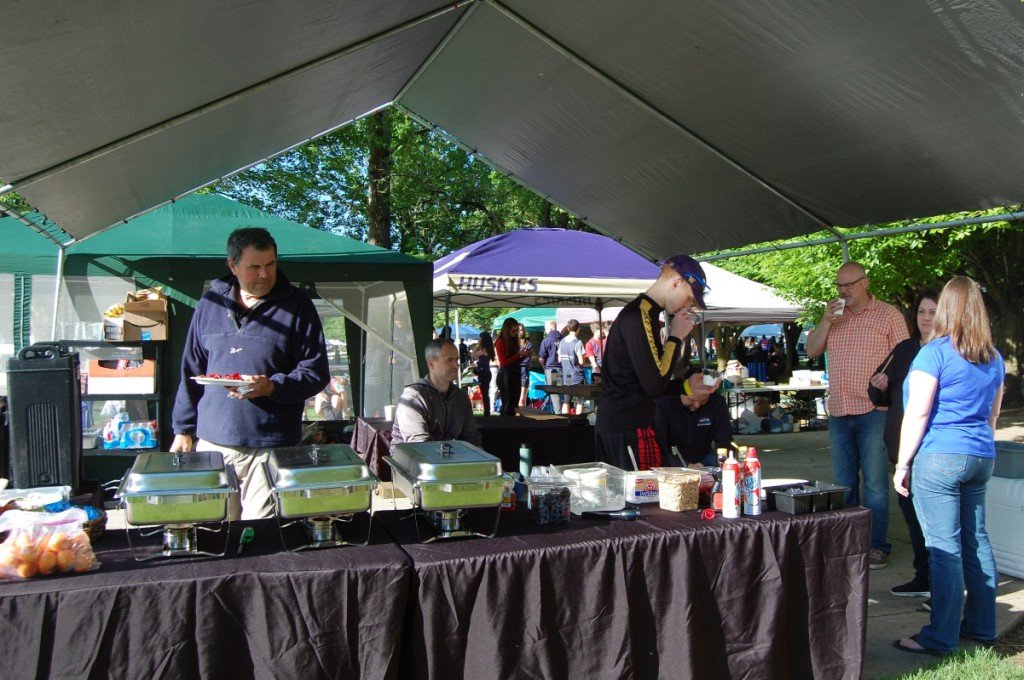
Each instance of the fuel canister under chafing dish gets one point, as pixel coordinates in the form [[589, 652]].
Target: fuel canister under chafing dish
[[174, 488], [310, 481], [447, 475]]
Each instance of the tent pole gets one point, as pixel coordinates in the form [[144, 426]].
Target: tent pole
[[458, 378], [56, 291]]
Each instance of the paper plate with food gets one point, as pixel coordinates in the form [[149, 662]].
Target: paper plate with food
[[226, 380]]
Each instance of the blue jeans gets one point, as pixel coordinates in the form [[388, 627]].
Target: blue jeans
[[858, 448], [949, 496]]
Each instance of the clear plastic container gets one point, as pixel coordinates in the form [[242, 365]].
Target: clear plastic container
[[550, 501], [595, 497], [678, 488]]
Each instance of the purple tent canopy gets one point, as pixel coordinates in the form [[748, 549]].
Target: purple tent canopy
[[539, 266]]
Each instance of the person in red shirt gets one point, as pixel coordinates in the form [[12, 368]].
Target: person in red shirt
[[510, 356], [594, 349]]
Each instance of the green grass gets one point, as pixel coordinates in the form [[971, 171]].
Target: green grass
[[977, 664]]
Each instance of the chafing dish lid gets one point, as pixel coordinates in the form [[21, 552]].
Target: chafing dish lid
[[196, 471], [430, 461], [298, 467]]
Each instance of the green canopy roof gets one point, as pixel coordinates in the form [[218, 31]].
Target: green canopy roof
[[198, 225], [24, 250], [533, 318]]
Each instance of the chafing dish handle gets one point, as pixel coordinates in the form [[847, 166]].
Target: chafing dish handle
[[120, 487], [451, 487]]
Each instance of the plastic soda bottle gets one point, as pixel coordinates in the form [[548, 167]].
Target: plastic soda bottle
[[752, 484], [732, 492]]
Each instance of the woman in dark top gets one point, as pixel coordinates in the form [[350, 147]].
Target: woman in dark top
[[524, 342], [483, 354], [509, 354], [886, 389]]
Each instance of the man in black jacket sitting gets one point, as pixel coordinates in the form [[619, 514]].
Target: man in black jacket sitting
[[695, 423]]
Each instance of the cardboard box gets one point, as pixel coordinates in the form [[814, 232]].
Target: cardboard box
[[103, 380], [145, 320]]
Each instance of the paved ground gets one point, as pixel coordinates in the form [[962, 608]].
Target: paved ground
[[806, 455]]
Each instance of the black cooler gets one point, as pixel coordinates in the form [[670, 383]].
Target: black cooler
[[45, 416]]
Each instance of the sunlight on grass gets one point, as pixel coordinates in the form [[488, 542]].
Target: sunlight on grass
[[977, 664]]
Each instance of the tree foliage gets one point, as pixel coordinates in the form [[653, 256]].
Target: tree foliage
[[902, 264], [440, 197]]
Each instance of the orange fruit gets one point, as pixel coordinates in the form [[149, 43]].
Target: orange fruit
[[80, 539], [59, 541], [27, 569], [83, 564], [29, 554], [47, 563], [66, 560], [9, 556]]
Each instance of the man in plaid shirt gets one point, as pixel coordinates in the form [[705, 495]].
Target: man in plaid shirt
[[858, 331]]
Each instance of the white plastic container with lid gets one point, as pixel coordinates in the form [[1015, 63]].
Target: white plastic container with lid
[[641, 486]]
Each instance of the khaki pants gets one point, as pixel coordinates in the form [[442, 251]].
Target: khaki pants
[[256, 501]]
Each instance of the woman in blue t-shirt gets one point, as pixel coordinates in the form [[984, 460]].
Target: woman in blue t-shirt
[[947, 451]]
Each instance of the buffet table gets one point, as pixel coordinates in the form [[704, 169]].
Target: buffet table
[[266, 614], [554, 441], [737, 397], [669, 595]]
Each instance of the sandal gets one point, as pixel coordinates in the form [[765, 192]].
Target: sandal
[[898, 644]]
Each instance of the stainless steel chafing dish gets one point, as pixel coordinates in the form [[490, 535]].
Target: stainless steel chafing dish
[[177, 492], [321, 486], [447, 478]]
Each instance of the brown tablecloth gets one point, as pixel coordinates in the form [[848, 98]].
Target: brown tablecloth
[[268, 614], [371, 439], [552, 442], [669, 595]]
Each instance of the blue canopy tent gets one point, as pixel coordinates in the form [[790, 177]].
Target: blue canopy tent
[[464, 332]]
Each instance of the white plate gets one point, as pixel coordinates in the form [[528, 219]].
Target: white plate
[[222, 382]]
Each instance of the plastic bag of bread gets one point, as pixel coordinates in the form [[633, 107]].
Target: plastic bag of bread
[[45, 544]]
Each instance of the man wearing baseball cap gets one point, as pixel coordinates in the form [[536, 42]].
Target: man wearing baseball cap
[[638, 368]]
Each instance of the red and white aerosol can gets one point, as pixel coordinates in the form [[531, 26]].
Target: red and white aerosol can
[[732, 493], [752, 484]]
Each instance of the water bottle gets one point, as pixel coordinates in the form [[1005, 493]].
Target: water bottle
[[525, 460]]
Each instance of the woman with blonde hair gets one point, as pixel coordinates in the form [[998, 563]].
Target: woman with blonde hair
[[947, 451]]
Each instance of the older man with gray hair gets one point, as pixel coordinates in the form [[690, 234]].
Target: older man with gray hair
[[430, 409]]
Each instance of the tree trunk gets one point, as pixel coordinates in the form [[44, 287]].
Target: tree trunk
[[726, 336], [545, 213], [792, 332], [379, 172]]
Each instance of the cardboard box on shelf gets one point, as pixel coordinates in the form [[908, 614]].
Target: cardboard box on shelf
[[145, 316], [105, 380]]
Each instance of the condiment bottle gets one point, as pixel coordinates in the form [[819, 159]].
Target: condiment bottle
[[508, 496], [731, 490], [752, 484]]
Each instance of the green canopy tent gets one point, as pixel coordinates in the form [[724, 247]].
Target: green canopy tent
[[383, 296], [533, 318]]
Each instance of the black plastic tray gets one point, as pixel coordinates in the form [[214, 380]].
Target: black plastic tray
[[806, 498]]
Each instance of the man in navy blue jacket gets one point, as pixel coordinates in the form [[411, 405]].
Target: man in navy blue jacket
[[255, 323], [549, 360]]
